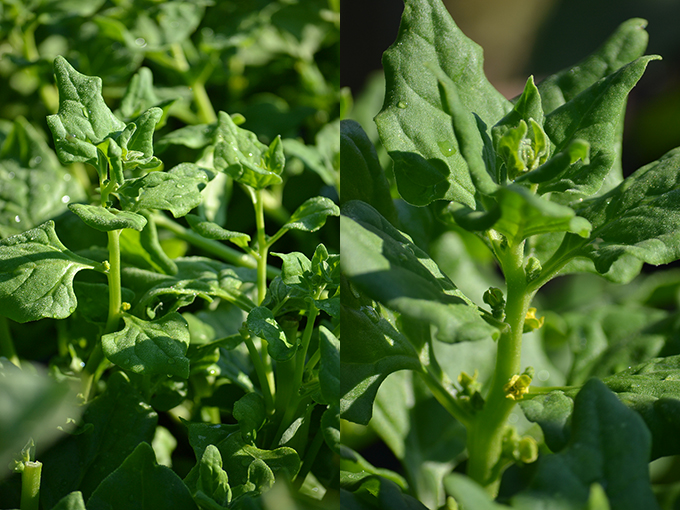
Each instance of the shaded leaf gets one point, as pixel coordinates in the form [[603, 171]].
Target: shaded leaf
[[113, 424], [147, 485], [609, 445], [312, 214], [211, 230], [261, 322], [385, 264]]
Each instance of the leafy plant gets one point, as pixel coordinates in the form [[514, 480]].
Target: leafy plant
[[443, 358], [169, 401]]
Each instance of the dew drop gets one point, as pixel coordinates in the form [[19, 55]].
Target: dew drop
[[543, 375], [35, 161], [250, 154], [171, 361], [446, 148], [141, 42], [354, 291], [17, 218], [402, 105], [67, 177], [370, 312], [179, 185], [82, 364], [11, 175], [65, 199]]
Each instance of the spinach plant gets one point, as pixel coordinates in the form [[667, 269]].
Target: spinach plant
[[534, 186], [183, 372]]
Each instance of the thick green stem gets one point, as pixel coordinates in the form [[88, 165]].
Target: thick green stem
[[300, 359], [485, 435], [262, 252], [92, 371], [30, 485], [115, 290], [261, 373], [211, 246]]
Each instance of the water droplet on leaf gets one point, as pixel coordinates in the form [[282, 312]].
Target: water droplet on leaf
[[446, 148], [402, 105], [65, 199], [141, 42], [370, 312], [17, 218]]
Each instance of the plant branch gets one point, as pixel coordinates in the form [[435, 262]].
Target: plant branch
[[211, 246]]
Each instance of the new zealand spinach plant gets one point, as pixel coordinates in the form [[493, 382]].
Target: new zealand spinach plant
[[534, 186], [182, 372]]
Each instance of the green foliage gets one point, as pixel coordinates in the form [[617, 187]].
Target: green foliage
[[121, 176], [438, 352]]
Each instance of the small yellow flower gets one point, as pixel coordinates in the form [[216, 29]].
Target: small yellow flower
[[517, 387]]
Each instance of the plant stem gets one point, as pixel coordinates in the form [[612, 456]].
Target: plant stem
[[91, 371], [261, 373], [30, 485], [6, 344], [211, 246], [486, 433], [300, 358], [115, 291], [262, 251], [310, 456]]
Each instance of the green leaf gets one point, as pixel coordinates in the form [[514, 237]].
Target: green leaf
[[250, 413], [372, 350], [413, 126], [592, 116], [362, 177], [35, 187], [469, 494], [212, 482], [329, 370], [386, 264], [211, 230], [143, 249], [36, 279], [609, 445], [240, 154], [640, 217], [73, 501], [420, 433], [113, 424], [524, 214], [195, 277], [150, 347], [140, 96], [238, 457], [312, 214], [622, 47], [147, 485], [84, 120], [261, 322], [375, 492], [330, 427], [105, 219], [177, 190]]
